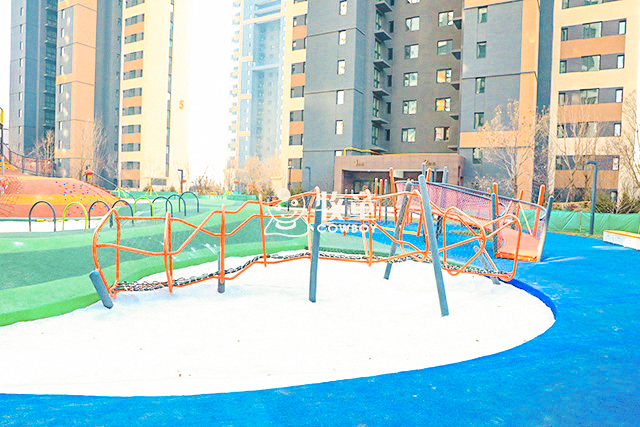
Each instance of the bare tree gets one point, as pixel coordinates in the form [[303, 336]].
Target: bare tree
[[575, 143], [627, 146], [44, 148], [204, 183], [257, 174], [514, 141], [94, 152]]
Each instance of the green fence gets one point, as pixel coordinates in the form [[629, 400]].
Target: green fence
[[578, 222]]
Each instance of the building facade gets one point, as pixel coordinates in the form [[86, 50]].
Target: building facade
[[594, 86], [32, 72], [87, 89], [257, 88], [154, 85]]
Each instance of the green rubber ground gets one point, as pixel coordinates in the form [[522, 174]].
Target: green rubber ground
[[47, 274]]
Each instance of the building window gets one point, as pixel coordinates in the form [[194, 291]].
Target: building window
[[377, 75], [443, 76], [617, 129], [342, 37], [339, 97], [482, 15], [297, 92], [20, 112], [478, 120], [444, 47], [339, 127], [341, 66], [445, 19], [130, 165], [134, 38], [20, 96], [441, 133], [343, 7], [131, 111], [622, 27], [299, 44], [564, 34], [131, 147], [411, 51], [589, 96], [131, 3], [615, 163], [375, 131], [620, 63], [563, 67], [562, 98], [413, 1], [297, 68], [591, 63], [296, 139], [592, 30], [295, 163], [389, 80], [376, 107], [132, 56], [300, 20], [410, 79], [132, 74], [409, 135], [134, 20], [481, 50], [296, 116], [412, 24], [618, 95], [477, 156], [390, 54], [409, 107], [21, 45], [443, 104], [480, 83]]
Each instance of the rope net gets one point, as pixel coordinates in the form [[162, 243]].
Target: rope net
[[366, 228]]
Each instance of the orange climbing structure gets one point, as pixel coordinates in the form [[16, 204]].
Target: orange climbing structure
[[343, 213]]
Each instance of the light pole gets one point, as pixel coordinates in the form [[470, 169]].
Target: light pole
[[593, 194], [289, 178], [181, 179], [2, 138]]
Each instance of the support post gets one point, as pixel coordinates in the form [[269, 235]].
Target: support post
[[494, 209], [221, 255], [433, 244], [486, 265], [594, 187], [396, 234], [545, 227], [386, 202], [101, 289], [315, 250], [445, 175]]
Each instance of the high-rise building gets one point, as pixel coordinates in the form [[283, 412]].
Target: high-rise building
[[257, 89], [87, 89], [595, 80], [154, 137], [32, 72]]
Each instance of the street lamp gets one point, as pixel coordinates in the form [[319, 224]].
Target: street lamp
[[181, 179], [593, 194]]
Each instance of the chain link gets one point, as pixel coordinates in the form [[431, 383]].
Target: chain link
[[151, 286]]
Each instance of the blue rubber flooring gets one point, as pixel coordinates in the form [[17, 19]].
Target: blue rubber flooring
[[584, 371]]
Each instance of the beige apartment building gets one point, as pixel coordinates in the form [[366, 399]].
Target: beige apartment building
[[595, 76], [153, 114]]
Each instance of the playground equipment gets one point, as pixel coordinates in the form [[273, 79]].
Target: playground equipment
[[487, 208], [343, 220]]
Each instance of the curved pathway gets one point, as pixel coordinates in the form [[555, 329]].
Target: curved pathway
[[585, 370]]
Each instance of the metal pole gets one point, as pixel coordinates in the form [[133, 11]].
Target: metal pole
[[315, 251], [494, 204], [386, 202], [2, 144], [445, 175], [397, 225], [181, 179], [433, 244], [594, 185]]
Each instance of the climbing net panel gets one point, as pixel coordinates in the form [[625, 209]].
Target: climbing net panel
[[366, 228]]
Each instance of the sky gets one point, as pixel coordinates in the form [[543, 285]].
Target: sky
[[210, 60]]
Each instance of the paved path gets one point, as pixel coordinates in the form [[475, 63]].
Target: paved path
[[585, 370]]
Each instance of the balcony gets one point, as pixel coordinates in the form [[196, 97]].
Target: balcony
[[380, 92], [382, 35], [381, 63], [379, 121], [383, 6]]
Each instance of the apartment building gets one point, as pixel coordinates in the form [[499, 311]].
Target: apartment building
[[595, 75], [257, 88], [87, 87], [32, 72], [153, 115]]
